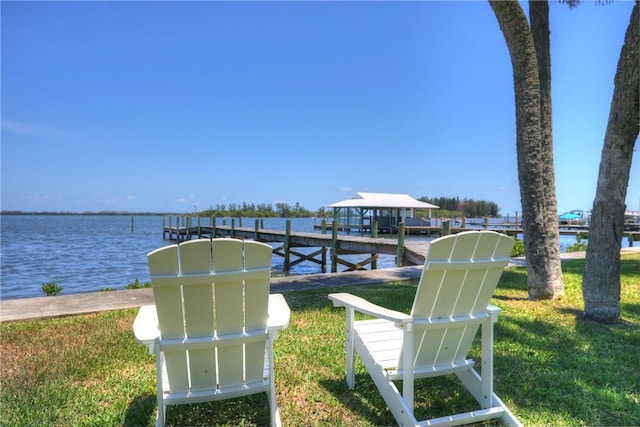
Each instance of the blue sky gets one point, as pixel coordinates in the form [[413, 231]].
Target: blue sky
[[175, 106]]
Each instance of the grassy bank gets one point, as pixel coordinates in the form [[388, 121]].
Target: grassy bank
[[551, 367]]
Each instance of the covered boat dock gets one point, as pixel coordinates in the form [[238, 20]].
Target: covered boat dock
[[380, 212]]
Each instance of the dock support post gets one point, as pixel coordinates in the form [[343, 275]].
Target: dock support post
[[446, 228], [185, 230], [324, 226], [485, 225], [374, 228], [287, 251], [199, 228], [324, 259], [164, 229], [464, 222], [257, 228], [334, 244], [240, 221], [233, 227], [400, 253]]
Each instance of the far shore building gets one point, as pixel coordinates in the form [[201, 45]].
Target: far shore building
[[386, 209]]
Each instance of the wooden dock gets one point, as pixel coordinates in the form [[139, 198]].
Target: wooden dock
[[332, 246]]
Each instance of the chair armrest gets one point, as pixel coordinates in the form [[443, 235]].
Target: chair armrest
[[145, 327], [363, 306], [493, 312], [279, 313], [492, 309]]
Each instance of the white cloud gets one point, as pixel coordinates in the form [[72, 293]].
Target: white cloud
[[28, 129]]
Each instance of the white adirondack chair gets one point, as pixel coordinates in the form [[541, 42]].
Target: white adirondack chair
[[460, 274], [213, 323]]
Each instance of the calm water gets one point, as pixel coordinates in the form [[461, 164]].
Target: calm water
[[83, 253]]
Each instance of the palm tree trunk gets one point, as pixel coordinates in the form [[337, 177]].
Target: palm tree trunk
[[539, 215], [539, 17], [601, 281]]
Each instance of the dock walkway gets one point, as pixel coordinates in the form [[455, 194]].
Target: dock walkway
[[410, 253], [92, 302]]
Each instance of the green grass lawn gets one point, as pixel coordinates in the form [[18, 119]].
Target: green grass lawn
[[551, 367]]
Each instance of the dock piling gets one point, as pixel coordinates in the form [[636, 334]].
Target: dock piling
[[400, 254]]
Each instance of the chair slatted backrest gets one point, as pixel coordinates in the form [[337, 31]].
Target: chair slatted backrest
[[460, 275], [212, 300]]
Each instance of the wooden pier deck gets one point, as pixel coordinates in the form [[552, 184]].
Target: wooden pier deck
[[333, 245], [406, 252]]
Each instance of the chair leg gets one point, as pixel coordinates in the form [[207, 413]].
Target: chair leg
[[487, 362], [349, 347], [271, 394], [162, 409]]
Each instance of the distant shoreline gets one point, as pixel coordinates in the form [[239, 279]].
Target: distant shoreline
[[104, 213]]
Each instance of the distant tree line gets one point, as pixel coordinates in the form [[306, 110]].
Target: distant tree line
[[468, 208], [264, 210], [95, 213]]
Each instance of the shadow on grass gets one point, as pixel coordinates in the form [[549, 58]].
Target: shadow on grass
[[140, 411], [362, 400], [247, 410], [513, 279], [550, 369], [434, 397]]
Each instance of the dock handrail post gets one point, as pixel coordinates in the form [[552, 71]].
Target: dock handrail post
[[374, 228], [287, 254], [446, 227], [400, 252], [233, 227], [334, 244], [324, 259], [257, 228]]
